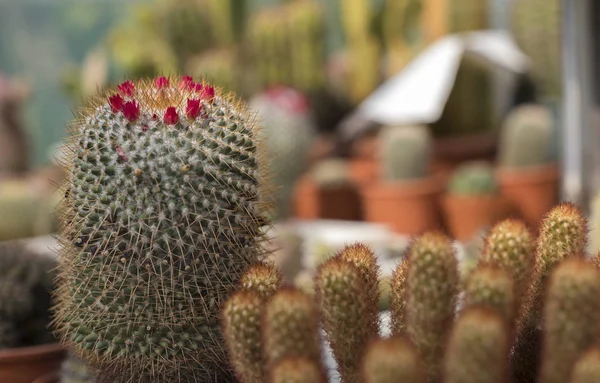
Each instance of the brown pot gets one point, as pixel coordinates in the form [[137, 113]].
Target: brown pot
[[533, 191], [363, 170], [467, 215], [53, 377], [409, 208], [25, 364], [312, 201], [450, 152]]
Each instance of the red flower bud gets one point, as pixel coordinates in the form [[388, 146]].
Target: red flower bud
[[131, 110], [187, 83], [193, 108], [127, 88], [162, 82], [171, 117], [116, 103]]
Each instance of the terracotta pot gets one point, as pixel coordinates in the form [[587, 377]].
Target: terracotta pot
[[532, 191], [363, 170], [312, 201], [450, 152], [25, 364], [467, 215], [409, 208], [53, 377]]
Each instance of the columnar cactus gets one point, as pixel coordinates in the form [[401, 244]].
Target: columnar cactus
[[288, 133], [473, 178], [587, 368], [431, 302], [491, 287], [398, 298], [163, 212], [345, 303], [392, 360], [571, 318], [527, 137], [297, 369], [405, 152], [478, 348], [290, 327], [509, 244], [263, 278]]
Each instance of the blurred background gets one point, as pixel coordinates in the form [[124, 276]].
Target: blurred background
[[383, 118]]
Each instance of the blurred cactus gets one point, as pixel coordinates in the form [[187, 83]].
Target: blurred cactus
[[398, 298], [468, 15], [392, 360], [571, 318], [14, 142], [331, 172], [478, 348], [473, 178], [75, 370], [288, 132], [263, 278], [587, 368], [217, 66], [537, 28], [527, 137], [405, 152], [298, 369]]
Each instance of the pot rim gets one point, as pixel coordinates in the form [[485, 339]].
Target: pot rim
[[528, 175], [43, 351], [430, 185], [48, 378]]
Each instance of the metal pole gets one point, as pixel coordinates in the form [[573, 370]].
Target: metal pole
[[576, 100]]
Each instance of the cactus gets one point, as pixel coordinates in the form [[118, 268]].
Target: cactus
[[587, 368], [217, 66], [398, 298], [405, 152], [162, 214], [345, 305], [75, 370], [478, 348], [536, 27], [430, 303], [298, 369], [288, 132], [571, 318], [290, 327], [473, 178], [263, 278], [510, 245], [467, 15], [392, 360], [527, 138], [491, 287], [331, 172], [287, 45], [9, 337]]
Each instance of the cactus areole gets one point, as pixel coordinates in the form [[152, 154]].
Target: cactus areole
[[163, 212]]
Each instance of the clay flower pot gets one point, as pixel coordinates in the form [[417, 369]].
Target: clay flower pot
[[532, 191], [467, 215], [53, 377], [408, 208], [312, 201], [364, 170], [25, 364]]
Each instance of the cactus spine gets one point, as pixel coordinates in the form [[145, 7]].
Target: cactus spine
[[163, 212], [571, 318], [405, 152], [478, 348], [392, 360], [431, 303]]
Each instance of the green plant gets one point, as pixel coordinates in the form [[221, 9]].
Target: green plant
[[162, 215], [331, 172], [571, 318], [288, 134], [391, 360], [405, 152], [478, 348], [526, 138], [472, 179]]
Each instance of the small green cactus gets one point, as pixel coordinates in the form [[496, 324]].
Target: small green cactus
[[473, 179], [297, 369], [163, 213], [290, 327], [331, 172], [398, 298], [392, 360], [431, 302], [344, 304], [478, 348], [263, 278], [571, 318], [75, 370], [587, 368], [527, 138], [405, 152]]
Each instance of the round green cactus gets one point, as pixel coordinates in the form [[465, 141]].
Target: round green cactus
[[163, 213], [473, 178], [392, 360], [571, 318], [405, 152]]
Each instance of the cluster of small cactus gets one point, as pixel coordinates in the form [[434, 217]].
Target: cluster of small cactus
[[527, 138], [473, 178], [163, 211], [288, 132], [405, 152], [442, 328], [26, 285]]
